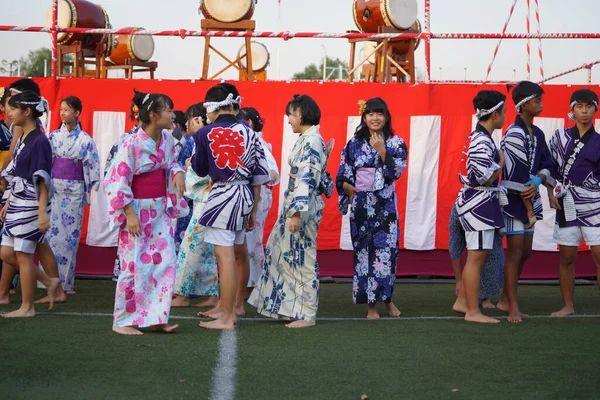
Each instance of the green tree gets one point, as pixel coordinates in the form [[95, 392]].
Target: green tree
[[315, 72], [33, 64]]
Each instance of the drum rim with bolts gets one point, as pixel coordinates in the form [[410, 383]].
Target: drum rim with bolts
[[247, 15], [385, 14]]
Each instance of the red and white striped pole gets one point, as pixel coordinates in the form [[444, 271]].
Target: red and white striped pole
[[528, 44], [537, 17], [489, 70], [54, 34], [428, 41]]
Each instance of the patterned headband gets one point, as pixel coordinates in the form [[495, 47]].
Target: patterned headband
[[41, 105], [212, 106], [525, 100], [483, 113], [571, 115]]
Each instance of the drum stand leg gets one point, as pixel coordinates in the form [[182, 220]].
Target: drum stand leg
[[206, 61]]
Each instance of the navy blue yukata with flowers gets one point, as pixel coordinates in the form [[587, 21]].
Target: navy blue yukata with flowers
[[373, 216]]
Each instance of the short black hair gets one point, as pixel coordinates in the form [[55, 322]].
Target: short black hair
[[196, 111], [233, 90], [151, 103], [251, 114], [309, 110], [180, 118], [217, 94], [487, 99], [73, 102], [526, 89], [27, 96], [26, 84], [376, 105], [584, 96]]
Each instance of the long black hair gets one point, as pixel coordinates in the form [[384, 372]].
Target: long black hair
[[196, 111], [375, 105], [25, 100], [151, 103], [251, 114]]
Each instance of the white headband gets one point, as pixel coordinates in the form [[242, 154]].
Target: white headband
[[212, 106], [573, 103], [525, 100], [41, 105], [483, 113]]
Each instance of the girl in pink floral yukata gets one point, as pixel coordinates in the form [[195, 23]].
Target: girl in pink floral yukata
[[145, 186]]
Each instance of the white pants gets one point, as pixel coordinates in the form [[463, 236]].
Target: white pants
[[20, 245], [223, 237], [573, 235], [480, 240]]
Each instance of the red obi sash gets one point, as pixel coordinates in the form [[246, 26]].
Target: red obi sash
[[150, 185]]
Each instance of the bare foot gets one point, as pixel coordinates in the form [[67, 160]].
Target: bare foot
[[210, 302], [20, 313], [372, 313], [220, 324], [503, 306], [239, 310], [71, 292], [52, 289], [392, 310], [180, 301], [60, 298], [300, 324], [127, 330], [165, 328], [480, 318], [564, 312], [459, 307], [486, 303], [214, 313], [5, 299], [515, 317]]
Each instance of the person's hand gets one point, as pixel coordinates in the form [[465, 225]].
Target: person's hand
[[188, 162], [377, 143], [133, 225], [349, 190], [180, 184], [43, 221], [3, 213], [294, 224], [529, 193], [501, 163], [251, 222], [553, 200]]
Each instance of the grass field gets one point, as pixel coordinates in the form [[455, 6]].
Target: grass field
[[71, 353]]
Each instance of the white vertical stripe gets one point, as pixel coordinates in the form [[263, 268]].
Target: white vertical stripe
[[496, 135], [108, 127], [597, 125], [542, 238], [46, 118], [223, 385], [345, 238], [421, 199], [287, 144]]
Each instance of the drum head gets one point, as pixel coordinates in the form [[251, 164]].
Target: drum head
[[142, 47], [401, 13], [65, 18], [368, 48], [260, 57], [228, 10]]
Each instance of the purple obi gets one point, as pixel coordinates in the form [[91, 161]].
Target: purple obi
[[365, 179], [67, 168]]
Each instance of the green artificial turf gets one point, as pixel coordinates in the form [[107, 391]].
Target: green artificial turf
[[78, 357]]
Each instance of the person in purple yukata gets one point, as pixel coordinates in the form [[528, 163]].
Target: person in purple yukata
[[527, 166], [575, 153], [231, 154], [479, 201], [25, 214]]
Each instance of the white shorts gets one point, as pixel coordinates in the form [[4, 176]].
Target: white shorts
[[480, 240], [573, 235], [20, 245], [223, 237], [513, 226]]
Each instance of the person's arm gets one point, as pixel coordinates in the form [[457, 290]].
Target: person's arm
[[43, 219]]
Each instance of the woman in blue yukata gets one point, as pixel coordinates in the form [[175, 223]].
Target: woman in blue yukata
[[372, 161], [288, 288]]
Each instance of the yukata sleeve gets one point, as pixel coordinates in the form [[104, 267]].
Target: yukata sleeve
[[200, 159], [118, 182], [187, 151], [111, 156], [91, 168], [395, 159], [176, 207], [196, 187], [260, 175], [555, 157], [546, 165], [41, 167], [346, 174], [515, 155], [480, 159], [308, 176], [272, 164]]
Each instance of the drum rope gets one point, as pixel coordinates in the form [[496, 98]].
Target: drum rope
[[489, 70], [537, 17], [528, 45]]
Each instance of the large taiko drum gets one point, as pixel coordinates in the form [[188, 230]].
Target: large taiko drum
[[139, 47], [369, 15], [227, 10], [399, 47], [260, 57], [80, 14]]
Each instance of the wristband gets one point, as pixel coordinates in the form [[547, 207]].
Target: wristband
[[537, 180]]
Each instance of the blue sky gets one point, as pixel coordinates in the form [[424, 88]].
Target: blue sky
[[182, 59]]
